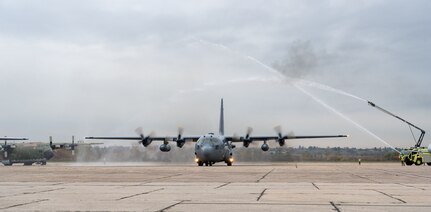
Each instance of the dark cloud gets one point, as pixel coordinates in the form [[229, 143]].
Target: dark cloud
[[300, 60]]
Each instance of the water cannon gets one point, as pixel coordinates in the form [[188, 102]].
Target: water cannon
[[421, 137]]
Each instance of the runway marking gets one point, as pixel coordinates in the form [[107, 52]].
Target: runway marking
[[134, 195], [335, 207], [388, 195], [222, 185], [170, 206], [261, 194], [265, 175], [315, 186], [27, 203]]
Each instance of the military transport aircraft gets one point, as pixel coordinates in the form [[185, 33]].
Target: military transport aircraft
[[31, 152], [212, 148]]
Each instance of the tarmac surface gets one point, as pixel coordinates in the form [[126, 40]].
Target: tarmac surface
[[241, 187]]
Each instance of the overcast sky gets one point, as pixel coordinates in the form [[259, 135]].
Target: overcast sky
[[91, 68]]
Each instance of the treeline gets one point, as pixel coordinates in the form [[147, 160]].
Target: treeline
[[137, 153]]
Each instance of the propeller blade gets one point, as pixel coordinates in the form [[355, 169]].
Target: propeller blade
[[140, 131], [249, 131], [278, 131], [180, 132]]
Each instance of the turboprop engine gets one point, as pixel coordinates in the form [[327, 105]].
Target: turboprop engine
[[165, 148], [264, 147]]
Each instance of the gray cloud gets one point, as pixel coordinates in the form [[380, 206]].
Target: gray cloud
[[106, 67]]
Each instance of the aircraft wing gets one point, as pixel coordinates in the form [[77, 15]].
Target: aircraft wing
[[267, 138], [166, 138], [11, 139], [125, 138], [145, 141]]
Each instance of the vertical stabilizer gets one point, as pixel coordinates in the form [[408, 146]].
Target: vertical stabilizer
[[221, 126]]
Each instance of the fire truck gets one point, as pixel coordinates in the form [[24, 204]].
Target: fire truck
[[417, 154]]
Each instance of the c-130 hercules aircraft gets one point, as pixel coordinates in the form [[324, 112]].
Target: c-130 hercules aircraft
[[31, 152], [212, 148]]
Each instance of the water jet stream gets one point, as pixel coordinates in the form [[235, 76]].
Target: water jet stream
[[296, 82], [324, 104]]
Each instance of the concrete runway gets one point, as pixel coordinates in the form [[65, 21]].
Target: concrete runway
[[186, 187]]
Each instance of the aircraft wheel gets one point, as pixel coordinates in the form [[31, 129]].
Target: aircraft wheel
[[229, 164], [200, 163], [210, 163], [43, 163], [206, 163], [28, 164]]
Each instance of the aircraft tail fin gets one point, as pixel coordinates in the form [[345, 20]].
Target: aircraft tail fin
[[221, 126]]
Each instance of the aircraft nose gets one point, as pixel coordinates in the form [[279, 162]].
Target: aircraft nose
[[48, 154], [205, 153]]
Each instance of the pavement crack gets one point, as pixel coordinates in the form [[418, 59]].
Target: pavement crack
[[161, 178], [388, 195], [366, 178], [410, 186], [170, 206], [403, 173], [264, 175], [222, 185], [36, 192], [335, 207], [57, 184], [22, 204], [315, 186], [261, 194], [33, 192], [134, 195]]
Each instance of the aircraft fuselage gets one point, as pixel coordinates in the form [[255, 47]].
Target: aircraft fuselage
[[27, 153]]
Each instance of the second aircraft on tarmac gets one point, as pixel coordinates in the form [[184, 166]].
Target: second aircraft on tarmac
[[212, 148]]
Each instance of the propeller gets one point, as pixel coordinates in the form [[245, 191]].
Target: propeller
[[281, 139], [180, 141], [249, 131], [5, 149], [145, 140], [246, 140], [73, 145]]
